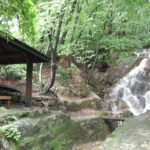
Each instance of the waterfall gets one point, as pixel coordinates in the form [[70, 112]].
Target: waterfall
[[132, 92]]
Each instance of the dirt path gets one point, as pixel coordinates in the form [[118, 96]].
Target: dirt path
[[84, 114], [88, 146], [90, 97]]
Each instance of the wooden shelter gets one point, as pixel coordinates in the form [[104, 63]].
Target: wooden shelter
[[13, 51]]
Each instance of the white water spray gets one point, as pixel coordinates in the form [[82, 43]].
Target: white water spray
[[133, 90]]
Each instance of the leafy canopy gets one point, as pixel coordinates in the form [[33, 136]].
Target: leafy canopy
[[89, 25], [18, 15]]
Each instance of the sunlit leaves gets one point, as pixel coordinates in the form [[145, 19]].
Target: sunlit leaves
[[112, 24], [22, 11]]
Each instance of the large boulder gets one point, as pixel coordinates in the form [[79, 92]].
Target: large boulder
[[134, 134]]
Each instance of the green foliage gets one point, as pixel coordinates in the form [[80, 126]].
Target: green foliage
[[119, 44], [2, 108], [2, 120], [145, 39], [13, 71], [12, 118], [11, 132], [104, 25], [123, 47], [62, 74], [7, 120], [77, 52], [104, 114], [18, 14]]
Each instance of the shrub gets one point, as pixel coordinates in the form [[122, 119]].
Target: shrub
[[11, 132], [13, 71]]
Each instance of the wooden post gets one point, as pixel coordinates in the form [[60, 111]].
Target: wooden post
[[29, 83]]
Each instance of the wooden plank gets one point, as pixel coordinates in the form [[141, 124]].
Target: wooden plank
[[114, 118], [29, 83], [5, 97]]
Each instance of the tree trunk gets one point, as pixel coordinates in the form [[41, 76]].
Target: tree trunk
[[41, 68], [67, 22], [96, 56], [54, 53]]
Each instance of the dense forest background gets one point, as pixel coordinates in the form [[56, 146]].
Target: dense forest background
[[81, 31]]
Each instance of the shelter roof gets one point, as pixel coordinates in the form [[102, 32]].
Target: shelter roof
[[13, 51]]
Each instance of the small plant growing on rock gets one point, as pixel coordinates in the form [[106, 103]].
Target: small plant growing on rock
[[104, 114], [2, 108], [12, 118], [11, 132], [2, 120]]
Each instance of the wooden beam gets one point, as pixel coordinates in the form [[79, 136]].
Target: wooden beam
[[26, 48], [7, 56], [114, 118], [29, 83]]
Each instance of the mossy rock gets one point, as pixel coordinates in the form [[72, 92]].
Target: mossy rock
[[56, 131], [134, 134]]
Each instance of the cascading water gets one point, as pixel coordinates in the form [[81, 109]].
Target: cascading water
[[133, 90]]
